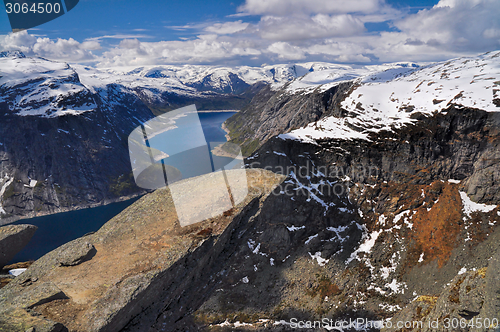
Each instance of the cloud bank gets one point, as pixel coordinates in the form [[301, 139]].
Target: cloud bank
[[297, 30]]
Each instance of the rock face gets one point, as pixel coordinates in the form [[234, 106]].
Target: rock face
[[271, 113], [62, 145], [396, 217], [64, 129], [76, 254], [13, 238], [126, 273]]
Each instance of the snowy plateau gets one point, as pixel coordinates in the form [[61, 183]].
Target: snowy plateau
[[382, 203], [41, 85], [386, 100]]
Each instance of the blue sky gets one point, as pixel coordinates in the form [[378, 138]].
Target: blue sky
[[94, 18], [153, 18], [255, 32]]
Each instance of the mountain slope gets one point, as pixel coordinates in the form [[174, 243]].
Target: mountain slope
[[384, 101], [62, 145], [61, 122], [420, 185], [387, 212]]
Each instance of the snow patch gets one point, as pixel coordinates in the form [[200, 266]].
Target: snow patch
[[421, 258], [16, 272], [366, 246], [396, 287], [293, 228], [310, 238], [469, 206], [317, 256], [2, 191]]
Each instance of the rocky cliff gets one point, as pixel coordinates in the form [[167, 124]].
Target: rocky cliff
[[387, 211], [62, 146], [64, 128], [135, 266]]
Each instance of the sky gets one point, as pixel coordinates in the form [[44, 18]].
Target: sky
[[108, 33]]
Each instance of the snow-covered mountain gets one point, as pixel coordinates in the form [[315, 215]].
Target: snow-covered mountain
[[35, 86], [46, 85], [282, 98], [389, 210], [400, 96]]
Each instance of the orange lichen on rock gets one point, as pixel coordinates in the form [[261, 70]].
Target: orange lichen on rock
[[435, 231]]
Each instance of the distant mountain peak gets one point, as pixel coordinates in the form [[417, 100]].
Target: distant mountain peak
[[12, 54]]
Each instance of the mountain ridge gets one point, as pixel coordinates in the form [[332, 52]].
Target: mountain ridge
[[387, 213], [39, 97]]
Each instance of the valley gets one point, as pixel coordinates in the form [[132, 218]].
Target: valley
[[373, 193]]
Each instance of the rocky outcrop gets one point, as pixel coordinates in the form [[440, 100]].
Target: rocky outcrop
[[136, 265], [272, 112], [76, 254], [468, 303], [370, 230], [13, 238]]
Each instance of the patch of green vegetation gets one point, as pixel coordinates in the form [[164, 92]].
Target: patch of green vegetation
[[481, 272], [122, 185], [231, 149], [10, 191], [249, 147]]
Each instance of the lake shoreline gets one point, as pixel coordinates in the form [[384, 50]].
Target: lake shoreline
[[219, 111], [219, 152], [104, 202], [223, 126]]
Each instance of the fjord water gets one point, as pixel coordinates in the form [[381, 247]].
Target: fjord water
[[56, 229], [190, 161]]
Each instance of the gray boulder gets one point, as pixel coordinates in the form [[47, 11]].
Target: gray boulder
[[77, 253], [13, 238]]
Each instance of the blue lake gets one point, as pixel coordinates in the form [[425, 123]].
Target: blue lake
[[57, 229]]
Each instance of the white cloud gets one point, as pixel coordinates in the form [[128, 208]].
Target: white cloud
[[286, 51], [227, 28], [119, 36], [61, 49], [287, 7], [491, 33], [20, 41], [317, 26], [204, 49], [455, 25], [311, 30], [91, 45]]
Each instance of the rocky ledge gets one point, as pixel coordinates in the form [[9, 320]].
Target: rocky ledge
[[13, 238], [126, 273]]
